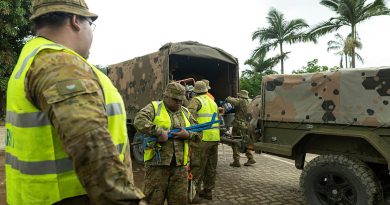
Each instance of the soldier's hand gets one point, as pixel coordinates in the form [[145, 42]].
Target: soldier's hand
[[183, 134], [163, 137]]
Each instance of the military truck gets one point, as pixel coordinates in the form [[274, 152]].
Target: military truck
[[341, 117], [143, 79]]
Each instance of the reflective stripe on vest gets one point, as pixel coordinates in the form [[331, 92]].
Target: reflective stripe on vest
[[37, 119], [205, 114], [163, 120], [38, 170], [44, 167]]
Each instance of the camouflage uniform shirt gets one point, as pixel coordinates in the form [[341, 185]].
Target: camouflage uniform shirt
[[81, 121], [241, 107], [172, 149], [194, 106]]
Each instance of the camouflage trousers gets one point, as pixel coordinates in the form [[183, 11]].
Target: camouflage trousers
[[196, 163], [165, 182], [209, 162], [240, 131]]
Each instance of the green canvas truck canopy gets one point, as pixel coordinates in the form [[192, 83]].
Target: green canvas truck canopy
[[347, 96], [143, 79]]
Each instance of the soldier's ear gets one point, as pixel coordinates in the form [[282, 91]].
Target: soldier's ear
[[75, 22]]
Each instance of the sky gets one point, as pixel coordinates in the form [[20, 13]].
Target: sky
[[128, 29]]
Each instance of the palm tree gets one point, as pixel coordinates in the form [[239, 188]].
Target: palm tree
[[349, 13], [350, 48], [338, 45], [260, 64], [279, 31], [344, 47]]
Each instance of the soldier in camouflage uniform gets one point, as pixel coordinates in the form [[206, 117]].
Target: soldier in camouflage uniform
[[69, 92], [206, 151], [240, 125], [166, 159]]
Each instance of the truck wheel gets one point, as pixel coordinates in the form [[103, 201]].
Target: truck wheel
[[137, 149], [338, 179]]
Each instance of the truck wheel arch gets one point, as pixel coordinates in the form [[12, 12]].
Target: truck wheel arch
[[375, 141]]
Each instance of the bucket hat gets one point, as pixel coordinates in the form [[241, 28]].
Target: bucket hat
[[200, 87], [243, 94], [78, 7], [175, 90]]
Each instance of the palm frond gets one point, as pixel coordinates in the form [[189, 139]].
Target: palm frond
[[324, 28], [331, 4]]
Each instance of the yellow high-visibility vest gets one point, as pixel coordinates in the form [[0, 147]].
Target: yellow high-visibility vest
[[209, 107], [38, 170], [163, 120]]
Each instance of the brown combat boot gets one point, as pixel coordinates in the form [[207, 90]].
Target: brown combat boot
[[207, 194], [249, 162], [235, 164]]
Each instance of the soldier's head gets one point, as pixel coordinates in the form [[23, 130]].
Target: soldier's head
[[243, 94], [207, 83], [200, 88], [67, 22], [174, 95]]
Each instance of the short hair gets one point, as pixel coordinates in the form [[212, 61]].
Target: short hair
[[53, 20]]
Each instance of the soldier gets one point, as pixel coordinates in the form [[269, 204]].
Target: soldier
[[202, 107], [166, 159], [240, 125], [66, 125]]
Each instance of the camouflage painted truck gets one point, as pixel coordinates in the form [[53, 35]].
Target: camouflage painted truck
[[341, 117], [143, 79]]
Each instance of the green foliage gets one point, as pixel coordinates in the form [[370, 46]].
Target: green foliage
[[4, 76], [278, 32], [251, 81], [260, 66], [313, 67], [349, 13], [15, 29], [344, 48], [102, 68], [259, 62]]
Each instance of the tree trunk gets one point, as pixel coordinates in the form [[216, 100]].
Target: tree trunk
[[346, 61], [281, 58], [353, 46]]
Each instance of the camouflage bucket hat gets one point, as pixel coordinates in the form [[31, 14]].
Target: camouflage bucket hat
[[200, 87], [207, 83], [78, 7], [243, 94], [175, 90]]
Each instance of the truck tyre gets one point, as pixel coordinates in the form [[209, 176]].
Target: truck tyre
[[137, 149], [338, 179]]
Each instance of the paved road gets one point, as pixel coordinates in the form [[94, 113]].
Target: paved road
[[271, 181]]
